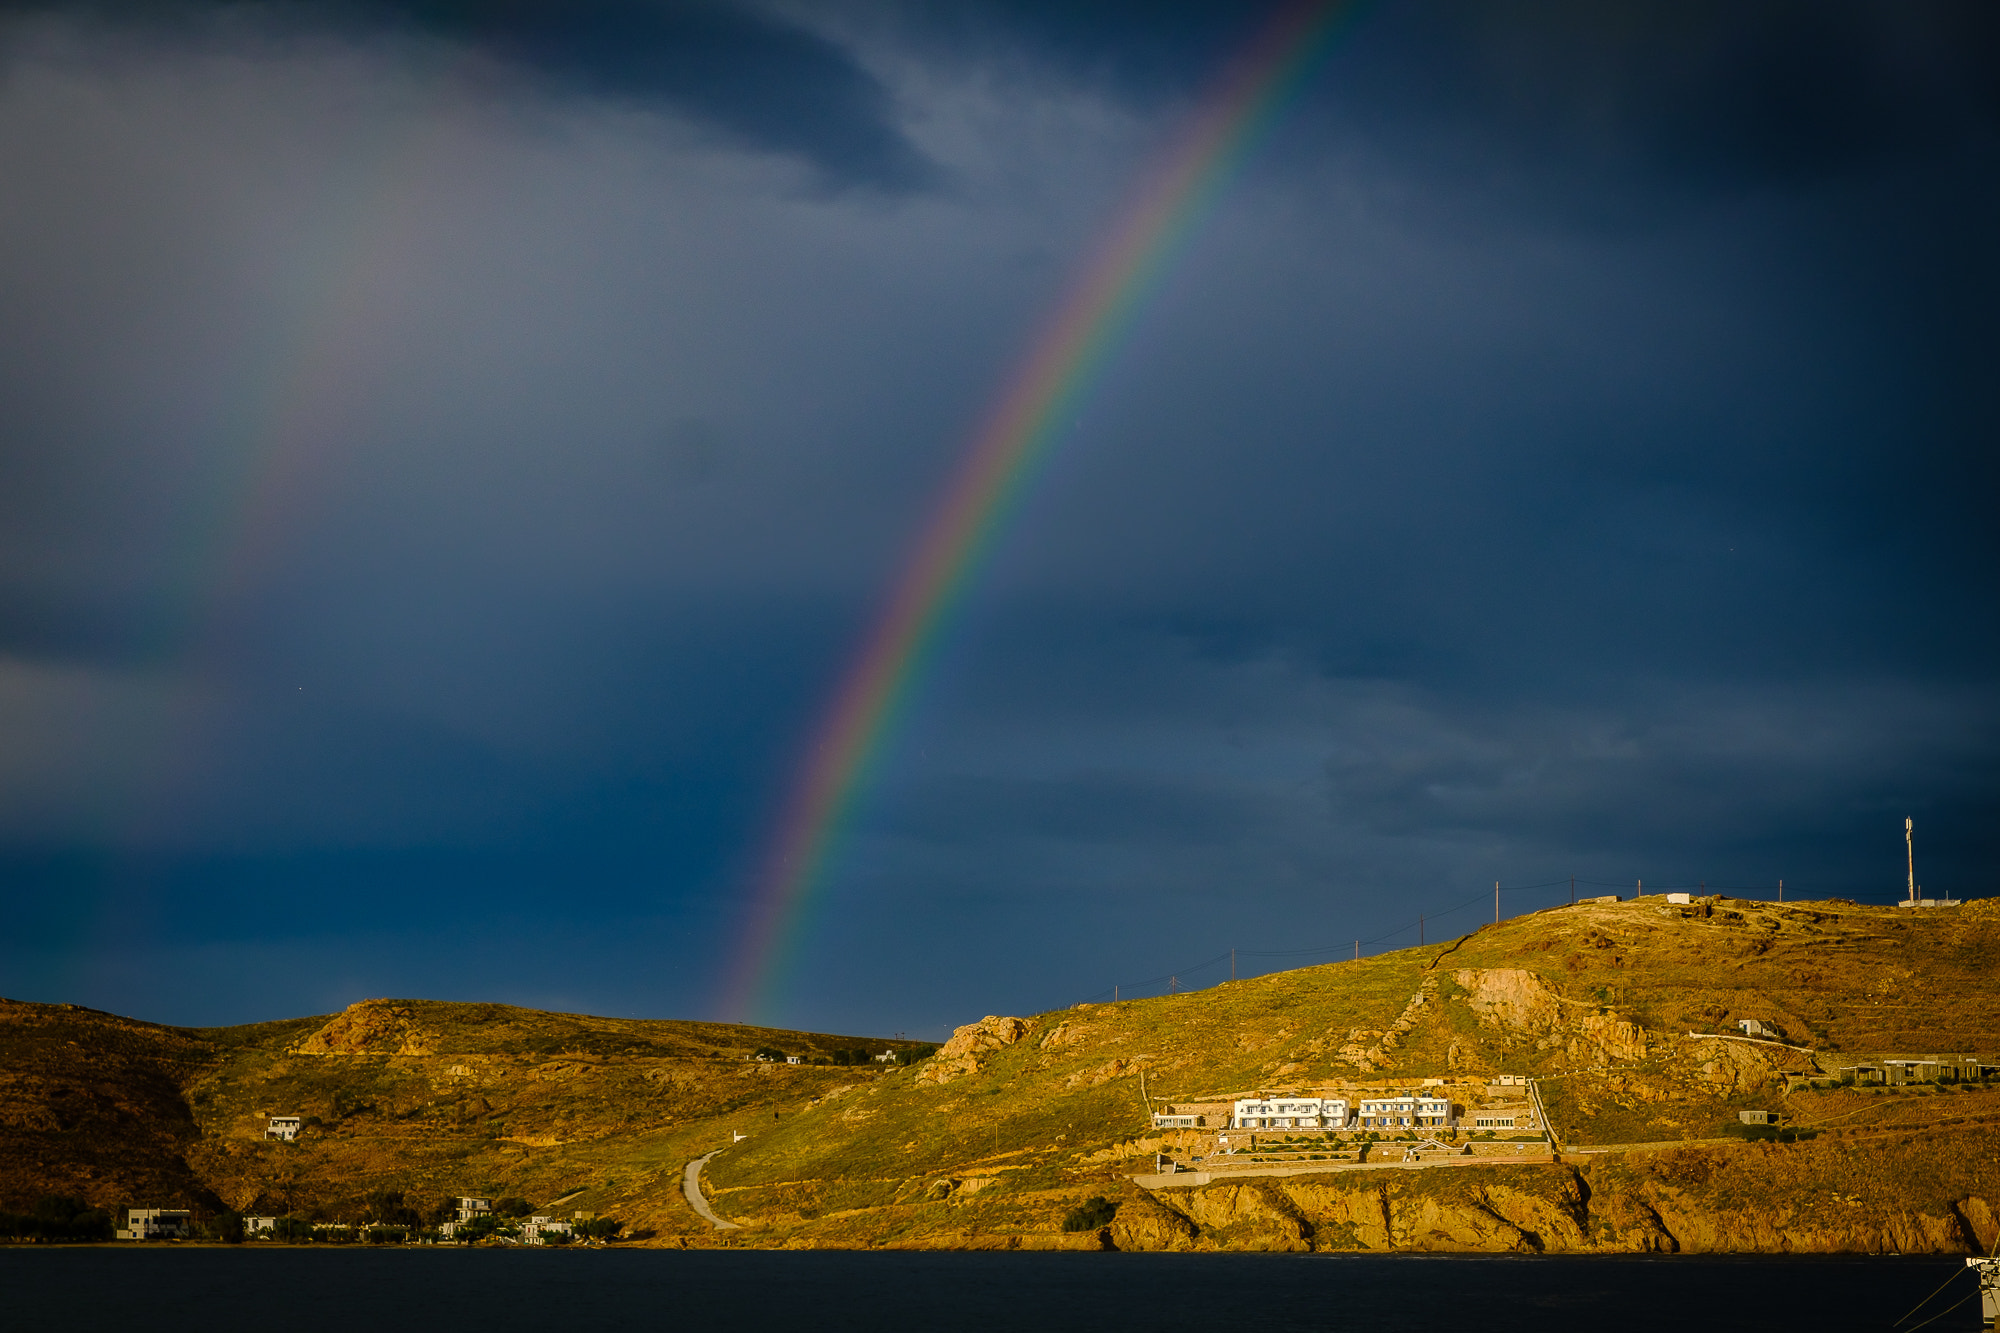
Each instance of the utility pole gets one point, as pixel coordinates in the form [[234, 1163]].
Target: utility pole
[[1781, 890], [1357, 951], [1910, 846], [1114, 992], [1496, 902]]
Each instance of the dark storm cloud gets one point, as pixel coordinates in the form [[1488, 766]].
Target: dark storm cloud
[[1568, 447], [765, 82], [1713, 93]]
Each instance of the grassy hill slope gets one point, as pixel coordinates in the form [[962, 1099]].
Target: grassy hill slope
[[1595, 1000]]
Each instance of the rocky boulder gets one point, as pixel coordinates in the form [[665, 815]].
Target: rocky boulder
[[966, 1051]]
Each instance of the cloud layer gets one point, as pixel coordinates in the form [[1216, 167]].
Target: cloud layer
[[448, 453]]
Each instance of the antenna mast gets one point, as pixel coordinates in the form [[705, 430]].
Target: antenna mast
[[1910, 847]]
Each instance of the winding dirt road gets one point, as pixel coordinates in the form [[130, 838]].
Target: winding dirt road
[[691, 1187]]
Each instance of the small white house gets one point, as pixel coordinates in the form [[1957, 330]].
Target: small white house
[[1682, 898], [537, 1229], [284, 1128], [254, 1227], [1176, 1120], [1290, 1113], [471, 1208], [157, 1224], [795, 1059], [886, 1058], [1752, 1028]]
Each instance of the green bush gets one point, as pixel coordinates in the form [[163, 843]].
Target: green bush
[[1091, 1215], [58, 1217]]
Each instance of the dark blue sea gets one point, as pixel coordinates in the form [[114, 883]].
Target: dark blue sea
[[307, 1290]]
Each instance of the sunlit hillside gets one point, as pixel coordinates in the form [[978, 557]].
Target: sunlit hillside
[[1625, 1016]]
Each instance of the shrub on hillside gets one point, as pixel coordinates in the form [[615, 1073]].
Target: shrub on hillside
[[1091, 1215], [58, 1217]]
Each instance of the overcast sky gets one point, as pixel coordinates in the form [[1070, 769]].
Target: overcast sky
[[449, 453]]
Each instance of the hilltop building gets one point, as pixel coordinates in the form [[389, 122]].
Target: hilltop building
[[284, 1128]]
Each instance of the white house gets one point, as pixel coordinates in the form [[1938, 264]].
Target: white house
[[471, 1208], [156, 1224], [537, 1229], [795, 1059], [886, 1058], [1752, 1028], [1290, 1113], [254, 1227], [1175, 1120], [1408, 1111], [282, 1127]]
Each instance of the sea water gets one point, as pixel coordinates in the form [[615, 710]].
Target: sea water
[[307, 1289]]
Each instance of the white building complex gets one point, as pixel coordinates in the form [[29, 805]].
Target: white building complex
[[1290, 1113], [156, 1224], [282, 1127], [1407, 1111]]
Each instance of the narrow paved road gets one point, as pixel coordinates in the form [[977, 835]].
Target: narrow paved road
[[691, 1187]]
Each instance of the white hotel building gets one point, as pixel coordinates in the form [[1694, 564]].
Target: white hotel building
[[1409, 1111], [1290, 1113]]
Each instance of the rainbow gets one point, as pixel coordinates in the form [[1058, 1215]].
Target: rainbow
[[1016, 434]]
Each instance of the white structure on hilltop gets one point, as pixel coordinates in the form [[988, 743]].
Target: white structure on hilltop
[[282, 1127], [1407, 1111], [1290, 1113], [156, 1224]]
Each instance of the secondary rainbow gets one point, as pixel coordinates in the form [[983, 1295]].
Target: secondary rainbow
[[1015, 435]]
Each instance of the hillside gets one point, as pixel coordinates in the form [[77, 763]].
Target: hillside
[[1018, 1121], [425, 1098], [1595, 1001]]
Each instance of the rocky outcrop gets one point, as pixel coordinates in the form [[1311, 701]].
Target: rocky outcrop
[[1534, 1210], [367, 1027], [966, 1051], [1144, 1223], [1521, 1004]]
